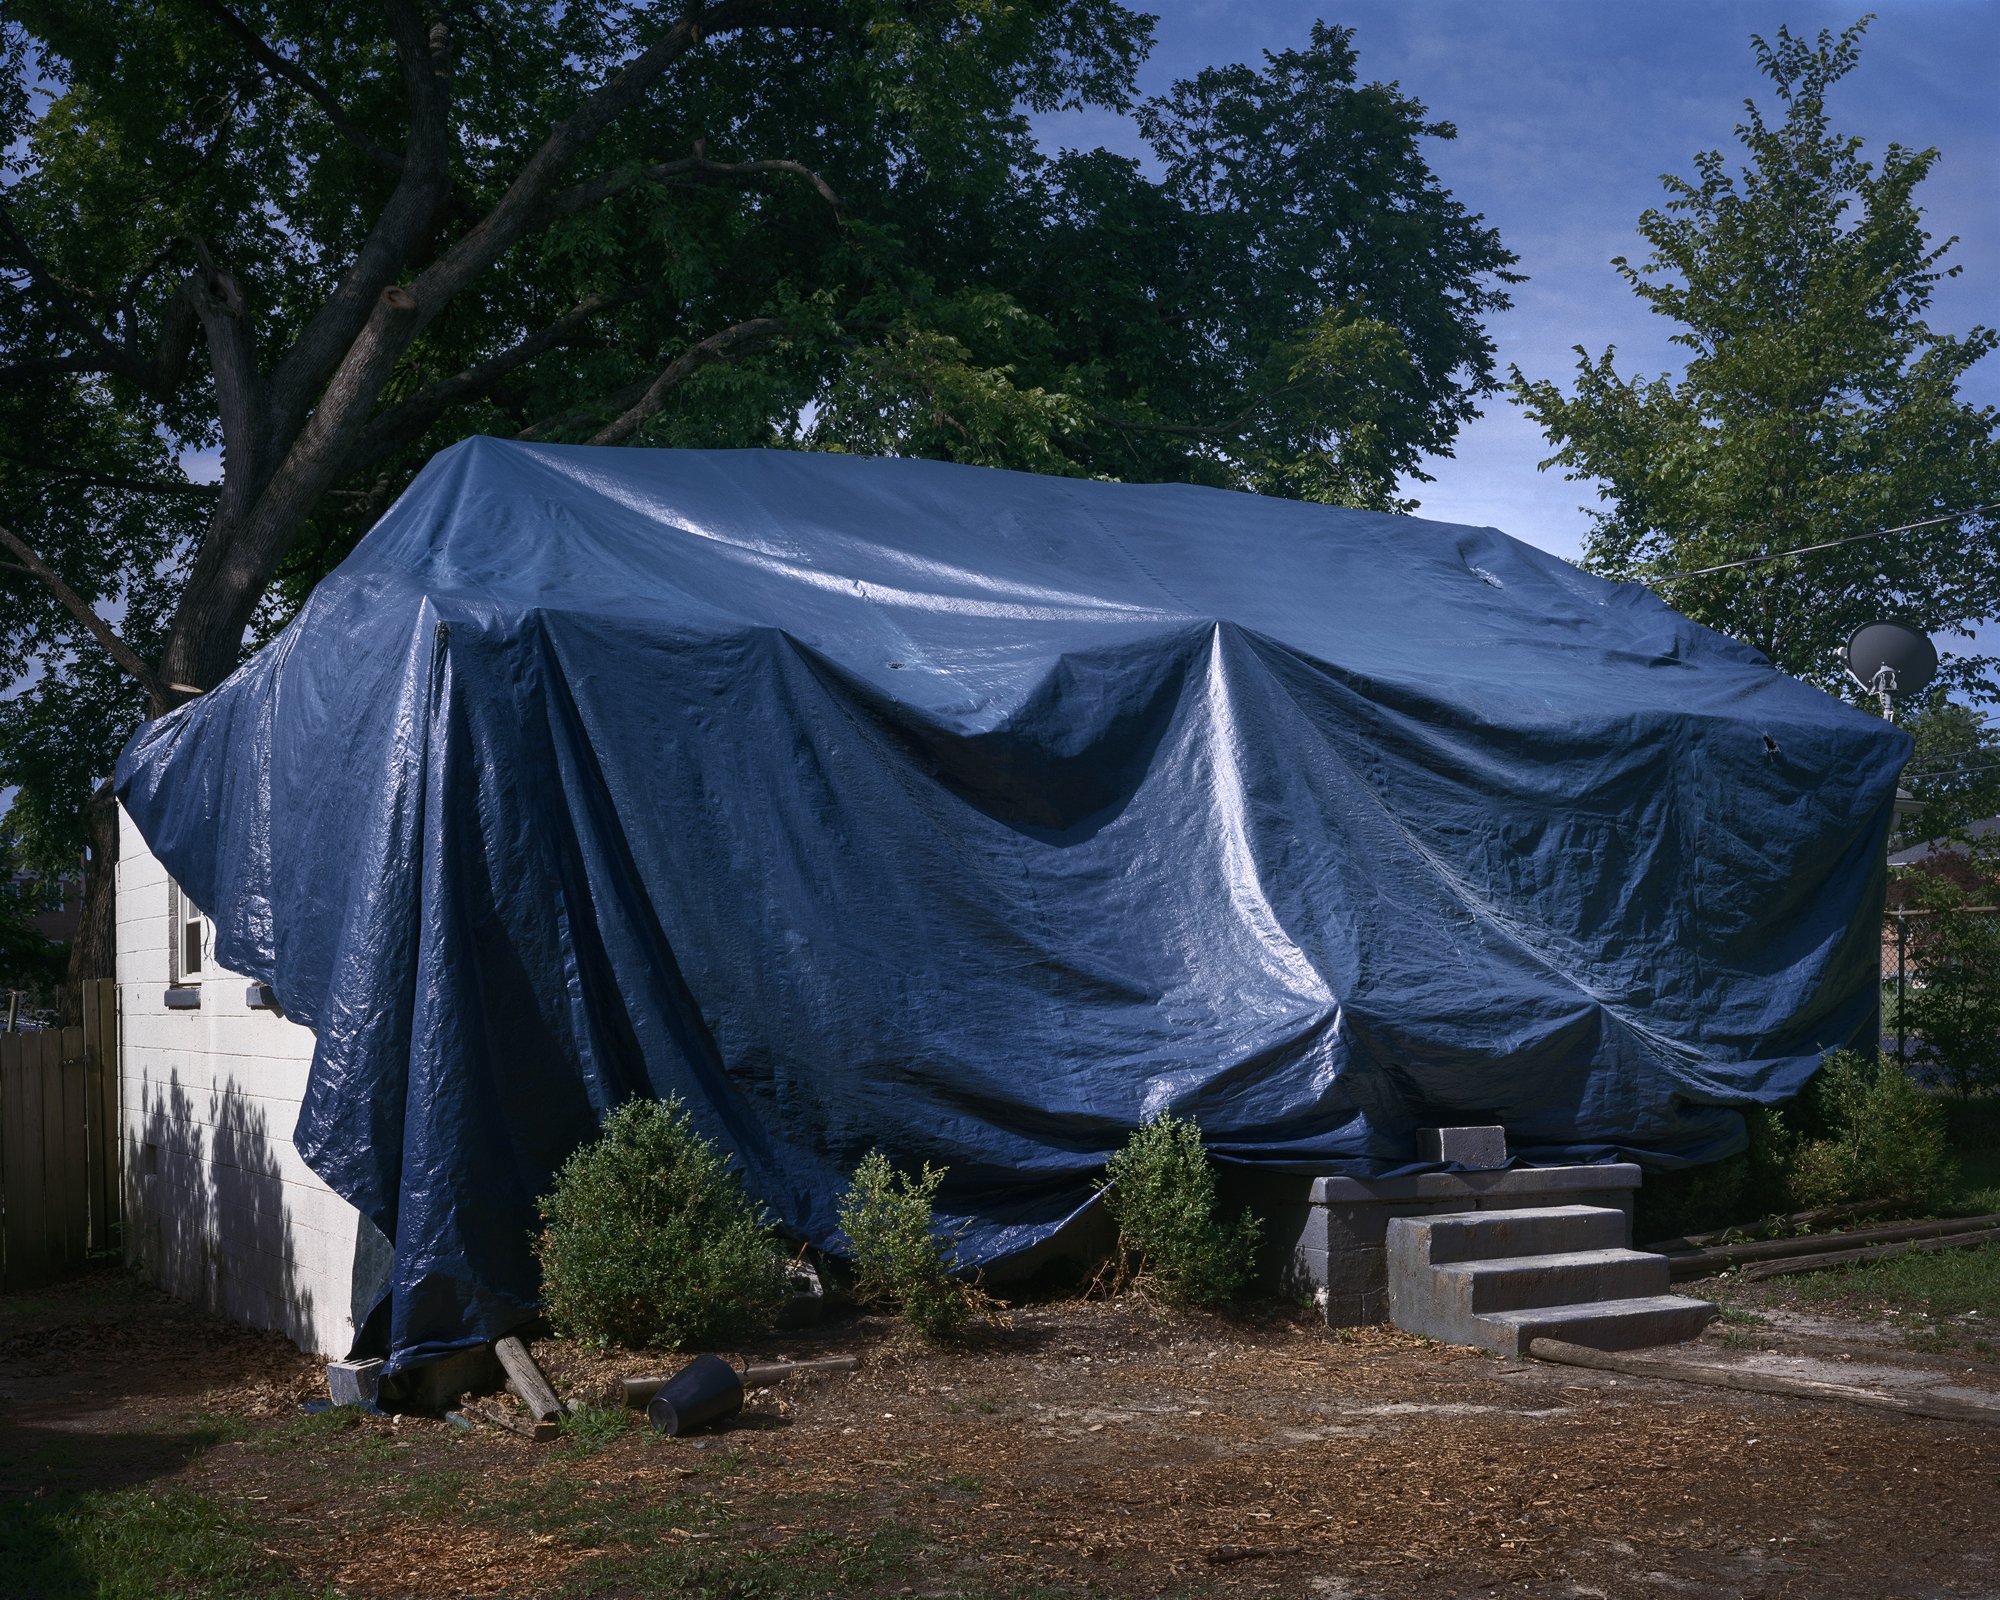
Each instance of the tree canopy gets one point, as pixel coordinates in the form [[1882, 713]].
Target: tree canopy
[[1816, 403], [322, 240]]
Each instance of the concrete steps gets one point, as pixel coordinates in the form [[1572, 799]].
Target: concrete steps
[[1501, 1278]]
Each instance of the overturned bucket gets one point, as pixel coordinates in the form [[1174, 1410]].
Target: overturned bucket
[[705, 1391]]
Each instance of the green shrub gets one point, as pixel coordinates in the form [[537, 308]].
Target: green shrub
[[1951, 1006], [648, 1239], [1161, 1192], [1885, 1139], [901, 1256]]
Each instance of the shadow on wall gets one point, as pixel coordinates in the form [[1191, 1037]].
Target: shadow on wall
[[207, 1213]]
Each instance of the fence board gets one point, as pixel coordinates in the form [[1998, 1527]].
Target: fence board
[[74, 1195], [21, 1161], [55, 1241], [97, 1198], [108, 1146]]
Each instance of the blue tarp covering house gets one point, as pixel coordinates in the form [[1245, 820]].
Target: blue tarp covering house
[[980, 817]]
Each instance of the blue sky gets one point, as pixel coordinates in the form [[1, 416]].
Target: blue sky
[[1568, 112]]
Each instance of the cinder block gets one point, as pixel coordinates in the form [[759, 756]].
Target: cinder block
[[1481, 1149], [353, 1383]]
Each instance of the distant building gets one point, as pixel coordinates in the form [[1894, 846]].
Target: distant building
[[59, 901]]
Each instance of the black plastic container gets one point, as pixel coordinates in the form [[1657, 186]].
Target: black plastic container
[[704, 1392]]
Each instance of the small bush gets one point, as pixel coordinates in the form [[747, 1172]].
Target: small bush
[[1885, 1138], [901, 1256], [648, 1239], [1161, 1192]]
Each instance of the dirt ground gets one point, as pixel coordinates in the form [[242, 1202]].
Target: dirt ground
[[1093, 1449]]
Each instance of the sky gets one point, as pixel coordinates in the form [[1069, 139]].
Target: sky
[[1568, 113]]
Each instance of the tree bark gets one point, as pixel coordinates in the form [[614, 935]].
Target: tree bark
[[94, 951]]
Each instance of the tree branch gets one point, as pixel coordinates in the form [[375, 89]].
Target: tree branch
[[425, 180], [58, 298], [731, 344], [114, 480], [232, 357], [408, 419], [582, 196], [100, 630], [291, 72]]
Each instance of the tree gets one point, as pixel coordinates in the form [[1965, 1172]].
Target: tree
[[1954, 772], [1950, 996], [1816, 402], [322, 243]]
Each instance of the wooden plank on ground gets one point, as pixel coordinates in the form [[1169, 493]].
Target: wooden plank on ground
[[526, 1379], [1715, 1375], [1700, 1263], [1880, 1252]]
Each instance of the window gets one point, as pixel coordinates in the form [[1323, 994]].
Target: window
[[189, 939]]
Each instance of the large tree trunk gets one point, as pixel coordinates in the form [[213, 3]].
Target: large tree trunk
[[94, 951]]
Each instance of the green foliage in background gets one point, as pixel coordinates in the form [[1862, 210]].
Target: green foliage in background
[[1160, 1189], [1816, 403], [1954, 771], [1884, 1138], [649, 1241], [1950, 1004], [902, 1255], [1862, 1131], [828, 227]]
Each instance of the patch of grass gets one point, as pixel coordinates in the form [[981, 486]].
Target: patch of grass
[[135, 1544], [589, 1430], [714, 1463], [1948, 1299], [1945, 1283], [962, 1482], [429, 1494]]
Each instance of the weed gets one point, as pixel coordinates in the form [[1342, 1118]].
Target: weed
[[902, 1256], [590, 1429]]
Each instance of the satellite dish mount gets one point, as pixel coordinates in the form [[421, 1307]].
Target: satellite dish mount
[[1889, 659]]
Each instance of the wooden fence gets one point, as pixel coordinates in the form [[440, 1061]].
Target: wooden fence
[[59, 1144]]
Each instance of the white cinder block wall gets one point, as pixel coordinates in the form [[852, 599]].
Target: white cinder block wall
[[219, 1208]]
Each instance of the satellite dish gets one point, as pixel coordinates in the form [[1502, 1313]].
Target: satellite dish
[[1891, 658]]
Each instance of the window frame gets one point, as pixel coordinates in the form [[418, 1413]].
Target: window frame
[[180, 975]]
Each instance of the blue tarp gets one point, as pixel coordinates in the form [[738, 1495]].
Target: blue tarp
[[981, 816]]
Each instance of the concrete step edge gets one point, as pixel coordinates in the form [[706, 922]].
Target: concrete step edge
[[1607, 1255]]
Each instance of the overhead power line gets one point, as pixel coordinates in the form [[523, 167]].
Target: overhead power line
[[1830, 544]]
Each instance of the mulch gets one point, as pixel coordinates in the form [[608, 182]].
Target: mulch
[[1096, 1447]]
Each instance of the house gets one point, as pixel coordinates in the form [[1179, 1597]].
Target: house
[[973, 816]]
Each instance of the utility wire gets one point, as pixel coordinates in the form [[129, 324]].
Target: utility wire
[[1950, 771], [1830, 544]]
